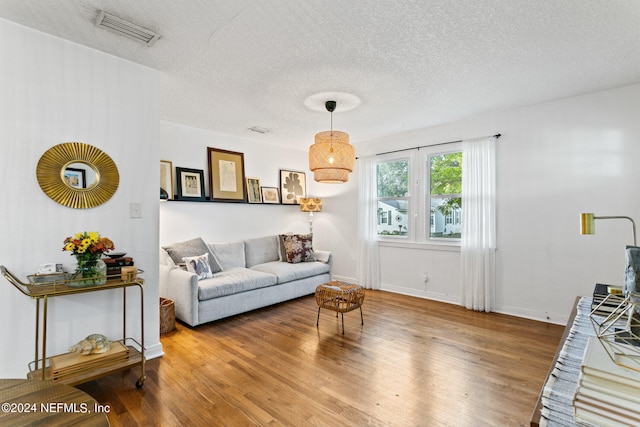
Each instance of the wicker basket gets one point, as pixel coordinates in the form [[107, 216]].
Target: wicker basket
[[167, 315]]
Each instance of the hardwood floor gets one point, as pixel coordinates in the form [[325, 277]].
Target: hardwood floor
[[415, 362]]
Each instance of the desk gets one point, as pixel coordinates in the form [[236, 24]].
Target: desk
[[35, 402], [555, 404]]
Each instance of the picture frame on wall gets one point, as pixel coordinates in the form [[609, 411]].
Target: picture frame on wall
[[75, 178], [166, 178], [226, 175], [253, 190], [293, 186], [190, 184], [270, 195]]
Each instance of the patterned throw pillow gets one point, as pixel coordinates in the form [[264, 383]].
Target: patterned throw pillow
[[199, 265], [299, 248]]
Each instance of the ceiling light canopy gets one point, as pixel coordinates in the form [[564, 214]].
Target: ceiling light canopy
[[331, 157]]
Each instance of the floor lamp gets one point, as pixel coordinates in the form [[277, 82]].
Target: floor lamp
[[619, 332], [311, 205]]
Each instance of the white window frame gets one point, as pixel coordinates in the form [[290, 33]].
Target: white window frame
[[419, 200]]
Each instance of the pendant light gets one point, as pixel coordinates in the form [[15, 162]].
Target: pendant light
[[331, 157]]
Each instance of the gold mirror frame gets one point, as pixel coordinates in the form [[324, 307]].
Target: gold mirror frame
[[52, 165]]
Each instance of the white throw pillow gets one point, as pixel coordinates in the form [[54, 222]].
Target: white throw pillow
[[199, 265]]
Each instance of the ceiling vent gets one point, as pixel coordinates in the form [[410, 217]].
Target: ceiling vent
[[259, 129], [124, 28]]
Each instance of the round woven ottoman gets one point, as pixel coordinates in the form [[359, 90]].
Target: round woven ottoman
[[339, 297]]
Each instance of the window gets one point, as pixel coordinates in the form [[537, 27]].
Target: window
[[393, 197], [444, 197], [436, 215]]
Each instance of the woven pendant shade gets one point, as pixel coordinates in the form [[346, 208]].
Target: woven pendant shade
[[331, 157]]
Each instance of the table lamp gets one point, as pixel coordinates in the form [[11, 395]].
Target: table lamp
[[311, 205], [619, 332], [588, 224]]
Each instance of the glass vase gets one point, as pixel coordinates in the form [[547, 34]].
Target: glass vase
[[91, 271]]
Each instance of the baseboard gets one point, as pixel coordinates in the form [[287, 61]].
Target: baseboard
[[345, 279], [153, 351], [418, 293]]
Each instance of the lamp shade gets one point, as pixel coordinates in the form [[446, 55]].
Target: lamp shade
[[311, 204], [332, 150], [587, 223]]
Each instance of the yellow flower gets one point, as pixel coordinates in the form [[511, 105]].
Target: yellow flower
[[70, 246], [94, 236]]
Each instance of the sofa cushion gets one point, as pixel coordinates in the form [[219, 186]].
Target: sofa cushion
[[229, 255], [286, 272], [299, 248], [199, 265], [191, 248], [261, 250], [234, 281]]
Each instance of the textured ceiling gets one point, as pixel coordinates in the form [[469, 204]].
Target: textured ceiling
[[228, 65]]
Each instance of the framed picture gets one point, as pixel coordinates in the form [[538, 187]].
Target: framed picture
[[270, 195], [190, 184], [75, 178], [166, 178], [293, 186], [226, 175], [253, 190]]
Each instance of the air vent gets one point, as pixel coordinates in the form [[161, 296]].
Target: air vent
[[124, 28], [259, 129]]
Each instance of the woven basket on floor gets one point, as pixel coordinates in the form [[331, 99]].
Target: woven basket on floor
[[167, 315]]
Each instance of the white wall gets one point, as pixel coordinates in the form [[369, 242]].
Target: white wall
[[186, 147], [555, 160], [53, 91]]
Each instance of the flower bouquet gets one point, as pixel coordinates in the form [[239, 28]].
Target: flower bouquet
[[88, 248]]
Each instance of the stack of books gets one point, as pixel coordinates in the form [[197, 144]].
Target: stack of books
[[605, 301], [608, 394], [114, 265]]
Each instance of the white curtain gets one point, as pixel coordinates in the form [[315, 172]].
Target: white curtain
[[478, 224], [367, 265]]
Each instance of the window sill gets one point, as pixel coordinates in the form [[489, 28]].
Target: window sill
[[444, 246]]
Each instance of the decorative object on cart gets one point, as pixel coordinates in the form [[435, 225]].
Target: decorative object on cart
[[311, 205], [226, 175], [77, 175], [166, 180], [588, 225], [331, 157], [253, 190], [92, 344], [293, 186], [190, 184], [270, 195], [88, 247]]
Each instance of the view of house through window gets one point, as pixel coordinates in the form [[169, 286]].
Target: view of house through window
[[393, 197], [444, 198]]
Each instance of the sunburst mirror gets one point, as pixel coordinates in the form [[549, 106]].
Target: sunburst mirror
[[77, 175]]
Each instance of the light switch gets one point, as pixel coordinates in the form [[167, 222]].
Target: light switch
[[135, 210]]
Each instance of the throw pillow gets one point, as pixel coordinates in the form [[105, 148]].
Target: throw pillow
[[299, 248], [191, 248], [198, 265]]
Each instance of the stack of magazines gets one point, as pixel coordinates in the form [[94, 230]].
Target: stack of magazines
[[608, 394]]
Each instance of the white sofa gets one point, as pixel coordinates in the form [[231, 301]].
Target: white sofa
[[254, 274]]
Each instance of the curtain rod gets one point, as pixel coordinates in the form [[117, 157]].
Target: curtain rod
[[497, 135]]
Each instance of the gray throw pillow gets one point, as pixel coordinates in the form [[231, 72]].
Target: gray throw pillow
[[191, 248]]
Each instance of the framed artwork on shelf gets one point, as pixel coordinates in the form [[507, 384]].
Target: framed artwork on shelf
[[270, 195], [253, 190], [75, 178], [166, 179], [190, 184], [226, 175], [293, 186]]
